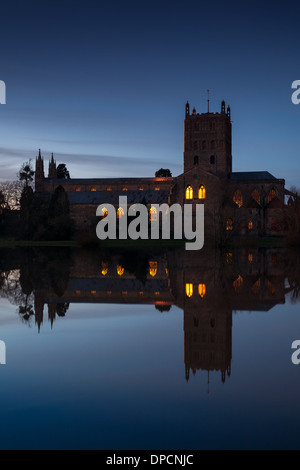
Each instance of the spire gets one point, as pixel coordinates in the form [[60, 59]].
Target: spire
[[187, 109], [52, 168], [208, 100], [228, 111], [223, 107]]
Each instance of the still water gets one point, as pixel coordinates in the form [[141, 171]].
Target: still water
[[161, 350]]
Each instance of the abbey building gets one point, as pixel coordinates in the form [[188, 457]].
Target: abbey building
[[242, 203]]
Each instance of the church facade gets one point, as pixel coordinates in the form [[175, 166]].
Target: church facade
[[235, 203]]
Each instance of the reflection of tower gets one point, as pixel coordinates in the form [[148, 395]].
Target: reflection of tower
[[39, 309], [51, 313]]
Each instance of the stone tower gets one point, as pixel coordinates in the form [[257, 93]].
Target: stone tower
[[207, 141], [39, 173], [52, 168]]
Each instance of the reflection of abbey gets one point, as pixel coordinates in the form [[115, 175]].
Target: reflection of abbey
[[236, 202], [207, 286]]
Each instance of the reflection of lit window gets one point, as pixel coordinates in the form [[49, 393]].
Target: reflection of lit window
[[238, 283], [271, 288], [201, 290], [104, 269], [202, 192], [272, 194], [120, 270], [229, 224], [256, 196], [120, 213], [189, 289], [256, 287], [229, 258], [238, 198], [250, 225], [189, 192], [250, 257], [104, 211], [153, 213], [153, 268]]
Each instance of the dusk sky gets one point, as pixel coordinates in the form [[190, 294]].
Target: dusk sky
[[104, 85]]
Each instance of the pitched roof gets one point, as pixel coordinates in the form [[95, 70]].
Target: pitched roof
[[112, 197], [251, 175]]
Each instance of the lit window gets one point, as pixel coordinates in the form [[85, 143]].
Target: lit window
[[156, 189], [201, 290], [124, 292], [93, 189], [77, 292], [153, 268], [124, 189], [229, 224], [256, 196], [238, 283], [77, 190], [109, 292], [250, 257], [108, 189], [120, 270], [229, 258], [141, 189], [93, 292], [202, 192], [272, 194], [189, 289], [104, 269], [104, 211], [250, 225], [189, 192], [153, 213], [238, 198], [141, 293], [120, 213], [156, 293]]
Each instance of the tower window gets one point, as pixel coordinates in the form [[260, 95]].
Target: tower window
[[202, 290], [238, 198], [250, 225], [196, 160], [189, 289], [153, 213], [153, 268], [229, 224], [189, 192], [202, 192], [120, 270], [212, 159]]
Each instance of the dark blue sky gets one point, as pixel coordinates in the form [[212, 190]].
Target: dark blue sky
[[104, 85]]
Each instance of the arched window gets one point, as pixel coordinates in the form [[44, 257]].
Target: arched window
[[153, 268], [238, 198], [202, 290], [93, 189], [120, 213], [108, 189], [189, 192], [250, 257], [256, 196], [238, 283], [196, 160], [202, 192], [153, 213], [104, 268], [212, 145], [272, 194], [189, 289], [124, 189], [229, 224], [104, 211], [212, 159], [250, 225], [120, 270], [78, 190]]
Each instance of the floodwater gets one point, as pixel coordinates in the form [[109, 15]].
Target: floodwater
[[149, 350]]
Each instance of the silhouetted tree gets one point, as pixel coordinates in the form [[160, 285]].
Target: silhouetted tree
[[26, 173], [163, 173], [59, 224], [26, 212], [62, 172]]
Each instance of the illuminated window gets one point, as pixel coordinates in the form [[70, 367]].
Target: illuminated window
[[238, 198], [108, 189], [93, 189], [120, 270], [229, 258], [250, 257], [109, 292], [120, 213], [77, 190], [153, 268], [93, 292], [229, 224], [189, 192], [256, 287], [156, 293], [250, 225], [256, 196], [238, 283], [141, 293], [77, 292], [153, 213], [104, 268], [141, 189], [189, 289], [157, 188], [202, 192], [202, 290], [124, 189], [272, 194], [104, 211], [124, 292]]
